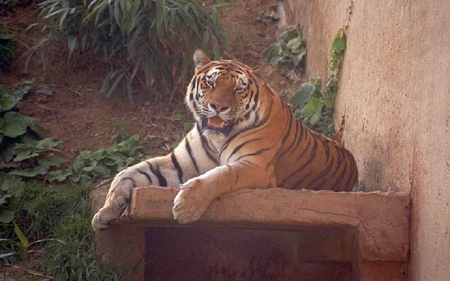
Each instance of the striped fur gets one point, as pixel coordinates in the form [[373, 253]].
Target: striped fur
[[245, 136]]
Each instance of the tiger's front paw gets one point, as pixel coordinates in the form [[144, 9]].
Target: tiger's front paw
[[191, 202], [113, 208]]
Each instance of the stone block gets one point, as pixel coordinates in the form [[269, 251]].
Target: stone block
[[296, 232]]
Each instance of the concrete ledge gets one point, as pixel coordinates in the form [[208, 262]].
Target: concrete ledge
[[380, 220]]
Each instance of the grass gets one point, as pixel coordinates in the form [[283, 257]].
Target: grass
[[76, 259], [61, 218]]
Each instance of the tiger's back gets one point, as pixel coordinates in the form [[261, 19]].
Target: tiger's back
[[310, 160]]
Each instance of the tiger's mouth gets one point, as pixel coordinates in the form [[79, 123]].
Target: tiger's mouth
[[217, 124]]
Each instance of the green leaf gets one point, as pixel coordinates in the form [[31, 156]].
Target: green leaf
[[80, 160], [6, 217], [339, 43], [21, 236], [29, 173], [36, 127], [215, 46], [54, 161], [187, 18], [316, 116], [14, 124], [294, 43], [97, 155], [310, 107], [7, 102], [273, 53], [48, 143], [89, 168], [13, 185], [303, 94], [22, 90], [24, 154], [101, 170], [45, 90], [58, 176]]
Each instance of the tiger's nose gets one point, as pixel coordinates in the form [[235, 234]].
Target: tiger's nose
[[218, 108]]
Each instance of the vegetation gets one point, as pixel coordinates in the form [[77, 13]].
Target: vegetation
[[288, 53], [7, 48], [316, 106], [311, 104], [13, 126], [34, 208], [143, 42], [76, 258]]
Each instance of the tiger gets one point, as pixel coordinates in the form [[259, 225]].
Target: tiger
[[245, 136]]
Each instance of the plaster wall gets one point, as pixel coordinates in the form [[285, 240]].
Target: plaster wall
[[395, 96]]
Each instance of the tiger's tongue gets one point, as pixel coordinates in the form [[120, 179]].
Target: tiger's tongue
[[216, 122]]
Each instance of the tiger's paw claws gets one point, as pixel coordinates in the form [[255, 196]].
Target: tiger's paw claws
[[109, 212], [97, 224]]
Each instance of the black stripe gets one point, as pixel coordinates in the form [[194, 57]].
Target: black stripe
[[252, 93], [205, 145], [255, 99], [259, 125], [328, 166], [312, 156], [298, 159], [252, 131], [189, 151], [237, 148], [177, 167], [288, 132], [254, 153], [339, 179], [145, 174], [340, 157], [283, 104], [161, 179], [131, 179], [294, 186], [348, 185], [294, 142], [256, 119], [196, 84]]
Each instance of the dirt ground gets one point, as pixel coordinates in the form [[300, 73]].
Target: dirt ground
[[78, 114], [84, 119]]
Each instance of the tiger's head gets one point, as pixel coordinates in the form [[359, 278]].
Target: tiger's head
[[223, 95]]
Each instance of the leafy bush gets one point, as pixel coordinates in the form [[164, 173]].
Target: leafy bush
[[143, 42], [15, 128], [103, 162], [314, 106], [23, 152], [288, 52]]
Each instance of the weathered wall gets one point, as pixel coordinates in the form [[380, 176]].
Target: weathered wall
[[395, 95]]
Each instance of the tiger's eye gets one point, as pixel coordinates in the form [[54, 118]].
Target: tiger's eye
[[239, 89]]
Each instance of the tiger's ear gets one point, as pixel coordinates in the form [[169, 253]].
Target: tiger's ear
[[263, 71], [200, 58]]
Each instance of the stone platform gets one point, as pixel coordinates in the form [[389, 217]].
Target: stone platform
[[252, 234]]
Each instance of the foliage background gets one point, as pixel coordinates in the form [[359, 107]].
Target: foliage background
[[143, 42]]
